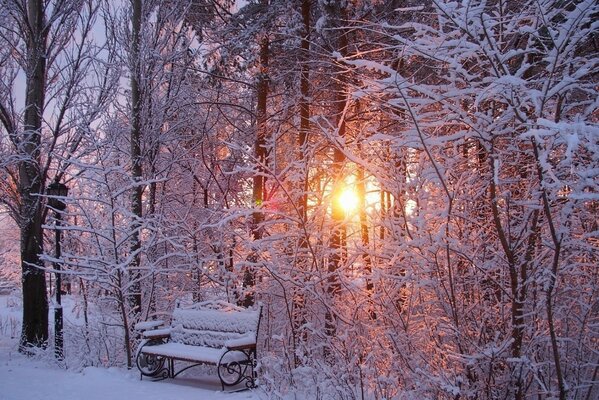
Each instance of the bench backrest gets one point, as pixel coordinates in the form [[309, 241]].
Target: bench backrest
[[212, 323]]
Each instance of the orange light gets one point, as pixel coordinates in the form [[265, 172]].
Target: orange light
[[348, 200]]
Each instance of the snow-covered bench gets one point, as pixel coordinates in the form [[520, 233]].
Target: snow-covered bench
[[212, 332]]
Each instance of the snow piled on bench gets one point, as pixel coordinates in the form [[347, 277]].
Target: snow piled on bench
[[214, 324], [157, 333], [243, 341], [145, 325], [206, 316], [206, 337], [194, 353]]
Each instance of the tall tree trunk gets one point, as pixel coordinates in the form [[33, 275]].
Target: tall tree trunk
[[304, 106], [136, 168], [365, 237], [556, 239], [35, 301], [516, 286], [122, 303], [249, 277], [364, 234], [299, 314], [338, 215]]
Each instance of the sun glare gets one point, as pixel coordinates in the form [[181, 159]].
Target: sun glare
[[348, 200]]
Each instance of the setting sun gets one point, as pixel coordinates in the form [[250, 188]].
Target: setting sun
[[348, 199]]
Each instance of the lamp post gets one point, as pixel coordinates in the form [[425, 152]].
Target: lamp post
[[56, 191]]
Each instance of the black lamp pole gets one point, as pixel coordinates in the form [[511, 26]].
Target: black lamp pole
[[57, 191]]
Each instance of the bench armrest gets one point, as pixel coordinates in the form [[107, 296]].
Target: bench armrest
[[243, 342], [157, 333], [147, 325]]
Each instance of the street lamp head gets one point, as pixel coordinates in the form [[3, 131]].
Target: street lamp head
[[54, 191]]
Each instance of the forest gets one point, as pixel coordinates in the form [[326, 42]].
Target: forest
[[408, 188]]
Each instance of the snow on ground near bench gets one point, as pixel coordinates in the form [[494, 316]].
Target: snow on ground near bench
[[23, 378]]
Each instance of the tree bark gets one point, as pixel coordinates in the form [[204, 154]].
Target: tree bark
[[337, 238], [35, 301], [259, 180], [299, 299], [136, 159], [364, 234], [304, 106]]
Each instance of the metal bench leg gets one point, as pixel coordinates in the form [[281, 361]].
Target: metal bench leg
[[171, 367]]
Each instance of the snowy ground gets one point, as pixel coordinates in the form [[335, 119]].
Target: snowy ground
[[23, 378]]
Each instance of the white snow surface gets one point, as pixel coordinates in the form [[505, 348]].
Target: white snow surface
[[142, 326], [25, 378], [213, 324], [245, 340], [216, 320], [157, 333], [197, 353], [196, 337]]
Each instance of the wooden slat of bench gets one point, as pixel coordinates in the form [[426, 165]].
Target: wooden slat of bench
[[192, 353]]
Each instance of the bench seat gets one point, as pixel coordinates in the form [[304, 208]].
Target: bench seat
[[200, 354]]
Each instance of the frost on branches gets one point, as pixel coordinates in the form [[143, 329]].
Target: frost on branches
[[410, 191], [498, 151]]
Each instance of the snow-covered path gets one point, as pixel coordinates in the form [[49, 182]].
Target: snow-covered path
[[25, 379]]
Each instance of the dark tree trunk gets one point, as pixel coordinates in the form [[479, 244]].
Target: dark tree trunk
[[35, 301], [136, 168], [304, 106], [260, 143], [364, 234], [249, 278], [337, 238], [299, 300]]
